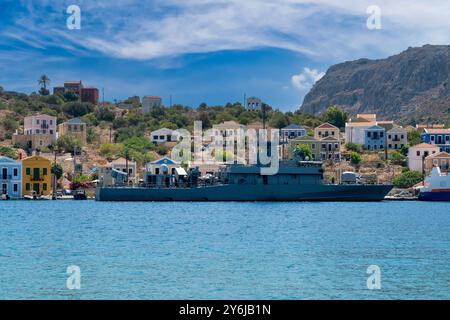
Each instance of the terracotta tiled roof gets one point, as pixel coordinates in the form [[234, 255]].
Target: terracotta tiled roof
[[424, 146], [443, 131], [326, 126]]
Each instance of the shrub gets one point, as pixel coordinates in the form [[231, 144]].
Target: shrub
[[355, 158], [407, 179], [8, 152], [354, 147], [68, 142]]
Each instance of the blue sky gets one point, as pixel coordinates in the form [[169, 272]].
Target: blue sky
[[212, 51]]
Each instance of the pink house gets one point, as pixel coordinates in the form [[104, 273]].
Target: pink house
[[40, 124]]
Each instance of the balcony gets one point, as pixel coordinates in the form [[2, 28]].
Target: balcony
[[38, 179]]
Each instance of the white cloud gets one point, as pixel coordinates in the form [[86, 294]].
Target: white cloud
[[144, 30], [306, 79]]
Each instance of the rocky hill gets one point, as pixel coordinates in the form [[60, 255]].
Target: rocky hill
[[413, 86]]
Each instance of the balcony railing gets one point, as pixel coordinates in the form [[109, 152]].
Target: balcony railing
[[36, 179]]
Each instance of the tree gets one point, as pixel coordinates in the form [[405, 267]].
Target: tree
[[413, 137], [278, 120], [355, 158], [68, 142], [303, 151], [77, 109], [57, 170], [407, 179], [43, 82], [335, 116]]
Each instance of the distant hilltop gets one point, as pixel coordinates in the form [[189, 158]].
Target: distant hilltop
[[413, 86]]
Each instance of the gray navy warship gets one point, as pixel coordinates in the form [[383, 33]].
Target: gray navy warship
[[295, 181]]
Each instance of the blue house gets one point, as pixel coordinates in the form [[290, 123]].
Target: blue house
[[439, 137], [375, 138], [10, 178]]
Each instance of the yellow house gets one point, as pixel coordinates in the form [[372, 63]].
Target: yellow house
[[36, 176]]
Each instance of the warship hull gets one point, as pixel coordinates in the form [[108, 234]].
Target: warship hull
[[247, 193]]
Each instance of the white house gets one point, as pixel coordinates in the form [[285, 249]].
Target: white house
[[164, 135], [418, 153]]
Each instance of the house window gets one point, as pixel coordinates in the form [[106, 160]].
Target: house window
[[44, 171], [390, 136], [51, 131], [37, 121], [28, 171], [15, 172], [313, 146], [418, 153], [369, 134], [15, 187], [27, 187], [432, 138], [381, 134], [37, 131], [44, 186]]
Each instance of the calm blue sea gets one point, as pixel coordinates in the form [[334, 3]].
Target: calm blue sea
[[224, 250]]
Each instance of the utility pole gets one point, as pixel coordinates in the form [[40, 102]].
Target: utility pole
[[54, 175]]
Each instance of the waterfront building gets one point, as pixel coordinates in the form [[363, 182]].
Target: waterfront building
[[150, 102], [330, 149], [129, 167], [326, 130], [36, 176], [313, 143], [39, 131], [417, 155], [397, 138], [164, 135], [254, 104], [75, 127], [375, 138], [292, 131], [10, 178], [439, 137], [162, 165], [440, 159], [164, 172]]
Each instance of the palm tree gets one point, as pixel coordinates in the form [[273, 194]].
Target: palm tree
[[43, 81]]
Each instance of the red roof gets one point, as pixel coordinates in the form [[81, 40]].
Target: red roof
[[326, 126]]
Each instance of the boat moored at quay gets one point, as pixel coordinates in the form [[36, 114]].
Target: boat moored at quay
[[294, 181], [436, 186]]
